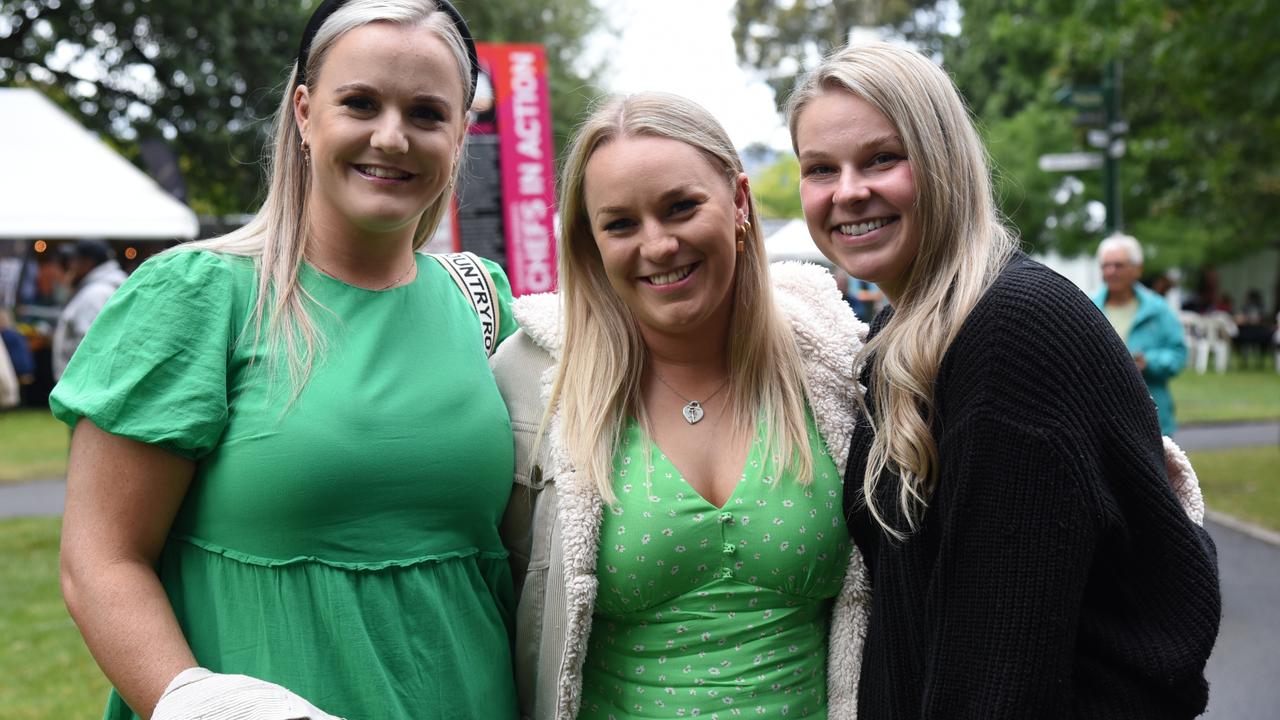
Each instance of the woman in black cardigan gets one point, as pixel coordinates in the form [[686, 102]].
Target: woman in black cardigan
[[1028, 553]]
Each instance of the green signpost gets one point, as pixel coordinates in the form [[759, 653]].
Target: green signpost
[[1098, 109]]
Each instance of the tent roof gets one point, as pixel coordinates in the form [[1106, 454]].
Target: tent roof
[[61, 181], [793, 242]]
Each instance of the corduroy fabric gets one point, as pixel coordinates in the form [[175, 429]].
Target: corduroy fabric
[[1055, 574]]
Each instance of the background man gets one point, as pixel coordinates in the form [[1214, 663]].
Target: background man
[[1143, 320], [94, 277]]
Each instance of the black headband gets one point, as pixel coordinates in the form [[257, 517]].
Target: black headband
[[328, 7]]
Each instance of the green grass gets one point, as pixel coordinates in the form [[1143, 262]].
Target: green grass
[[45, 670], [1243, 483], [34, 447], [1234, 396]]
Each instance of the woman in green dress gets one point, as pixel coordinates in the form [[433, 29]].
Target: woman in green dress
[[677, 524], [290, 457]]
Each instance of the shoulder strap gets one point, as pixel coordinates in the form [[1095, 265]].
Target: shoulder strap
[[477, 287]]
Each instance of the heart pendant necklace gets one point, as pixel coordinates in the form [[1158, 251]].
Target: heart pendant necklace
[[692, 411]]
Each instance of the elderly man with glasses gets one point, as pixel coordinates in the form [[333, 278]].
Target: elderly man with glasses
[[1143, 320]]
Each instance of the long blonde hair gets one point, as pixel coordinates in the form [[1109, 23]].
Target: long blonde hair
[[598, 383], [276, 238], [963, 246]]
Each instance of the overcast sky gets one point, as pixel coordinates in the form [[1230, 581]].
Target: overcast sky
[[686, 47]]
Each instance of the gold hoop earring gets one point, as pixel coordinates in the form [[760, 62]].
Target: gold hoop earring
[[743, 229]]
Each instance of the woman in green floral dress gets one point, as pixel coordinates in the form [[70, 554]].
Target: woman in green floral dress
[[677, 516]]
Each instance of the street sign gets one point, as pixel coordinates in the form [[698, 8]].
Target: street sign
[[1082, 97], [1070, 162], [1091, 118]]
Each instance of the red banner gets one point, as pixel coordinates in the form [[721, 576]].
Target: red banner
[[522, 113]]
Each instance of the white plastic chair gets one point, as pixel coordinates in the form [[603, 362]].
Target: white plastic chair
[[1275, 342], [1218, 329], [1193, 332]]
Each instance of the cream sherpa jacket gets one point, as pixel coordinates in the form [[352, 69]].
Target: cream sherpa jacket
[[552, 525]]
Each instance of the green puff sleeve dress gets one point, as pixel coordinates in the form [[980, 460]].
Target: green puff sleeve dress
[[344, 546]]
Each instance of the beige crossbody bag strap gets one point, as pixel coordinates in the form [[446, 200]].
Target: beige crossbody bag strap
[[476, 285]]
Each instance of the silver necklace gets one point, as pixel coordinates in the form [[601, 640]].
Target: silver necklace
[[388, 286], [692, 411]]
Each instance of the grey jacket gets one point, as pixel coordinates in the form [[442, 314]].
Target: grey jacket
[[552, 524]]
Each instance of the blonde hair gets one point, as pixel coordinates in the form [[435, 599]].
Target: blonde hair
[[276, 237], [598, 383], [963, 245]]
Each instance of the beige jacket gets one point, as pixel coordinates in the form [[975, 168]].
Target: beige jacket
[[552, 525]]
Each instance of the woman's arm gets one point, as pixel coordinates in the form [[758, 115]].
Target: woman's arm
[[122, 496]]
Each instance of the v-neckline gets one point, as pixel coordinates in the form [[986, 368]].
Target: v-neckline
[[679, 474]]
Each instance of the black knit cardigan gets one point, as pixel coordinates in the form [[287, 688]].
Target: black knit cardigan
[[1055, 575]]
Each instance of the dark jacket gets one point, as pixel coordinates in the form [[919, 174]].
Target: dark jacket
[[1054, 575]]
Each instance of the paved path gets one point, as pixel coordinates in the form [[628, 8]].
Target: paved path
[[1228, 435], [43, 497], [1243, 668]]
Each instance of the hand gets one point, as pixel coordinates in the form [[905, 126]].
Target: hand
[[1141, 361], [199, 694]]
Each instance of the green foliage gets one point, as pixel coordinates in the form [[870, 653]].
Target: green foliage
[[776, 189], [207, 76], [45, 670], [1025, 193], [562, 26], [779, 36], [1200, 91], [201, 74]]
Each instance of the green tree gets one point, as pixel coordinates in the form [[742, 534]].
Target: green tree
[[203, 75], [776, 188], [1200, 92], [776, 37], [562, 26], [207, 76]]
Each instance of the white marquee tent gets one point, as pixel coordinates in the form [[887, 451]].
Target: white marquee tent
[[793, 242], [61, 181]]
